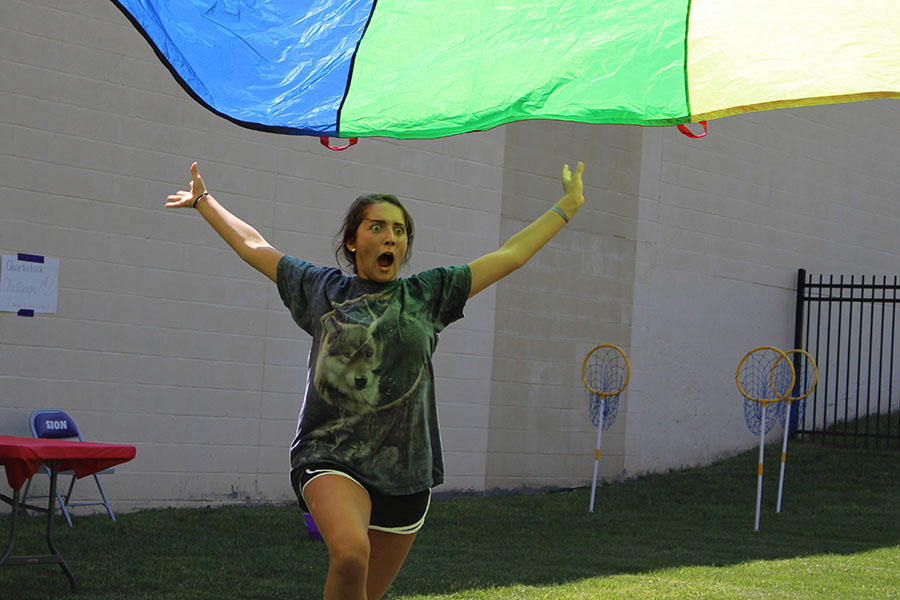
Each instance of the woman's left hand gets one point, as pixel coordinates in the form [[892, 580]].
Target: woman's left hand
[[186, 198], [574, 188]]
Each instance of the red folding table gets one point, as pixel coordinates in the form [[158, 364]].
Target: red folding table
[[22, 457]]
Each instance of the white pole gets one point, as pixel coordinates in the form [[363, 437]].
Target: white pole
[[787, 428], [597, 452], [759, 477]]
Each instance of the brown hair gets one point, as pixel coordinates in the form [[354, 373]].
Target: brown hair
[[354, 217]]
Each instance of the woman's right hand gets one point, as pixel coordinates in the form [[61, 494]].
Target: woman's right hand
[[186, 198]]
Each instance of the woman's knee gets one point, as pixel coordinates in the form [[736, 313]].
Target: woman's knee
[[350, 556]]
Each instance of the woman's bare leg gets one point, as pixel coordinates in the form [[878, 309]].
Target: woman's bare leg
[[387, 554], [341, 510]]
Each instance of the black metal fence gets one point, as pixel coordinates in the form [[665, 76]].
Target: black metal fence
[[849, 327]]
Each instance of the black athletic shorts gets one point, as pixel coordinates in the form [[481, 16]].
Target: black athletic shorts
[[393, 514]]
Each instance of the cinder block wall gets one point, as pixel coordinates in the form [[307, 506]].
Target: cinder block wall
[[163, 338], [575, 294], [685, 255], [724, 224]]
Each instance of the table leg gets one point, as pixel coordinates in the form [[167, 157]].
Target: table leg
[[54, 557], [52, 512], [15, 521]]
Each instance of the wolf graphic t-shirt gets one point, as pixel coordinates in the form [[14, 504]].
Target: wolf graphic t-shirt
[[369, 405]]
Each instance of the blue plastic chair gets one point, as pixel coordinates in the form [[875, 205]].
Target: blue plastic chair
[[56, 424]]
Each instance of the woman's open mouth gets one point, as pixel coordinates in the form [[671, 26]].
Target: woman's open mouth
[[385, 260]]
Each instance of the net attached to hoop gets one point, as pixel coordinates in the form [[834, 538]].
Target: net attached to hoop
[[806, 380], [767, 378], [607, 373], [753, 415]]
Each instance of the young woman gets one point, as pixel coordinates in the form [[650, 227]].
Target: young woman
[[367, 450]]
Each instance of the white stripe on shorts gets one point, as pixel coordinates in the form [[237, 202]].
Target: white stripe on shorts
[[319, 472], [407, 529], [402, 530]]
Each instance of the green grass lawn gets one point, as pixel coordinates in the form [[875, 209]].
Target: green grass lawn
[[685, 534]]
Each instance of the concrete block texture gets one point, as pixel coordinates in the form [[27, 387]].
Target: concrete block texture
[[685, 255]]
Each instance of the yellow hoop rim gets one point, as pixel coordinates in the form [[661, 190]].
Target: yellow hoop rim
[[815, 380], [627, 370], [737, 376]]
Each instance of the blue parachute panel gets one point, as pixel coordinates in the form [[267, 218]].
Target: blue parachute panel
[[281, 65]]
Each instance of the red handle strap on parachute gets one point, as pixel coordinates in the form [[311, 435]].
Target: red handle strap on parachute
[[324, 142], [684, 129]]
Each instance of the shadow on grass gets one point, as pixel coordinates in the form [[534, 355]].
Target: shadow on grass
[[837, 501]]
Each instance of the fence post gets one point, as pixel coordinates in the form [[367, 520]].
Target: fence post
[[792, 419], [798, 314]]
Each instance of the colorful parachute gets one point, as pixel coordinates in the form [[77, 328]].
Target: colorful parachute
[[425, 69]]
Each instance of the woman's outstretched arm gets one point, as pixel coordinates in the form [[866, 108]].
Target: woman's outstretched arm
[[243, 238], [518, 249]]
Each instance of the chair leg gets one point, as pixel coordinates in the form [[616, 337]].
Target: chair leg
[[62, 505], [105, 501], [69, 492], [65, 500]]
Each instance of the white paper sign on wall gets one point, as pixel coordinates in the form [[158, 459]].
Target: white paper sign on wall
[[29, 284]]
